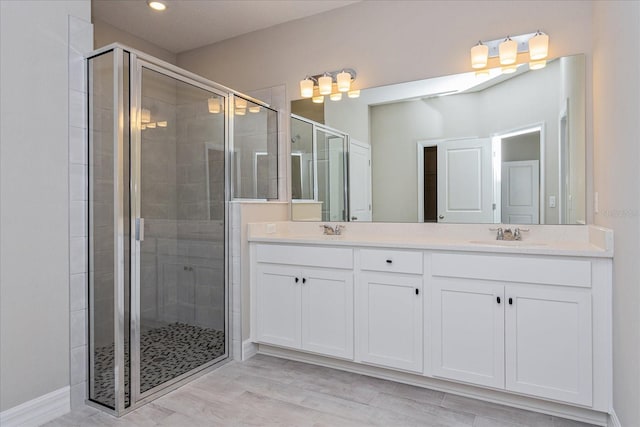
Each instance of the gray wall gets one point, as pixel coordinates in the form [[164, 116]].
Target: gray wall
[[616, 71], [34, 195]]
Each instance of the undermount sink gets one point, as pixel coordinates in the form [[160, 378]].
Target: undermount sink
[[506, 243]]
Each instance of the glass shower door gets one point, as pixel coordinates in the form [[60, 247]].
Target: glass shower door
[[178, 186]]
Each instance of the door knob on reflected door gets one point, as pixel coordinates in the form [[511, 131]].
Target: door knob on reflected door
[[354, 218], [441, 216]]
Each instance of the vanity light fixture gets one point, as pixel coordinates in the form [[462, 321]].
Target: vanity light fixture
[[162, 124], [151, 125], [241, 103], [240, 111], [157, 5], [318, 99], [507, 50], [337, 96], [329, 83], [254, 109]]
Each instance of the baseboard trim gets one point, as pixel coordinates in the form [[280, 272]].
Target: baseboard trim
[[38, 411], [249, 349], [614, 421]]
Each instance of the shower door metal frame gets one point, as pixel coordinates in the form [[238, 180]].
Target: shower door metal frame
[[137, 60], [137, 397]]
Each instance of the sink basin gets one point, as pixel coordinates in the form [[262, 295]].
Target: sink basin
[[507, 243]]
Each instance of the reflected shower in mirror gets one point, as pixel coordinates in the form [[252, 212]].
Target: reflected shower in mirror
[[466, 148]]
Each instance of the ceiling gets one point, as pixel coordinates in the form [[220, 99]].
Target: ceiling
[[189, 24]]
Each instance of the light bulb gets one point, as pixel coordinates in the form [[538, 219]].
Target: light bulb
[[241, 103], [344, 81], [157, 5], [509, 69], [306, 88], [538, 46], [536, 65], [145, 115], [214, 105], [479, 55], [508, 50], [324, 84], [353, 93]]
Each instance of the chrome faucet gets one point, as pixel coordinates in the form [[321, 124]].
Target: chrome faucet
[[332, 231], [507, 234]]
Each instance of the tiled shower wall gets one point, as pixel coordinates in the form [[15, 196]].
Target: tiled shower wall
[[80, 43]]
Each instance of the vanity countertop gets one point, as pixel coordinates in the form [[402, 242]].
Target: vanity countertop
[[574, 240]]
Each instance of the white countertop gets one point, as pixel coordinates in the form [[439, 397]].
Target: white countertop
[[558, 240]]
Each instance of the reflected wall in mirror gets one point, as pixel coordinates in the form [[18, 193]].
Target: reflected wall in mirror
[[463, 148]]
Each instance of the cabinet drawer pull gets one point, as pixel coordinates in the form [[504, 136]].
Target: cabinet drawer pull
[[498, 299], [297, 280], [417, 291], [510, 301], [389, 261]]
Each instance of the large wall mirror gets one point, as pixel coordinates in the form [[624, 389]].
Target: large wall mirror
[[466, 148]]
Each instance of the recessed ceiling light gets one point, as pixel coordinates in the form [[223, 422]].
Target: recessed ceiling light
[[156, 5]]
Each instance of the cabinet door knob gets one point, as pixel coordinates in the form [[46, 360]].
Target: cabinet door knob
[[417, 291], [441, 216], [296, 279], [498, 299], [389, 261], [510, 301], [304, 280]]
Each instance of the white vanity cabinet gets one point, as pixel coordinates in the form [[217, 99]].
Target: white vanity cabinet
[[525, 326], [305, 308], [500, 331], [389, 309]]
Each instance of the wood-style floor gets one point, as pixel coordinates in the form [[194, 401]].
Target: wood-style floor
[[267, 391]]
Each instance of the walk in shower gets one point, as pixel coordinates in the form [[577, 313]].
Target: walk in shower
[[160, 144]]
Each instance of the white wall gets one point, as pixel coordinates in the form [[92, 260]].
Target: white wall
[[616, 89], [105, 34], [34, 210]]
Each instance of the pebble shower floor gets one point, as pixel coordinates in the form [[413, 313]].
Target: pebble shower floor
[[166, 352]]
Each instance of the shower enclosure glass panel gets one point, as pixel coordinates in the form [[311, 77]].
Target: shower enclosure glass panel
[[255, 150], [109, 260], [331, 170], [159, 184], [182, 200]]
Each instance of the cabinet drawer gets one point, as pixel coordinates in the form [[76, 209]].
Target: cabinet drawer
[[311, 256], [546, 271], [391, 260]]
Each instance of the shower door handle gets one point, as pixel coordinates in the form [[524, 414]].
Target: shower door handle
[[140, 229]]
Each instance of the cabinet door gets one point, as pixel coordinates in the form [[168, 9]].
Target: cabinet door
[[327, 312], [390, 320], [548, 343], [278, 305], [468, 331]]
